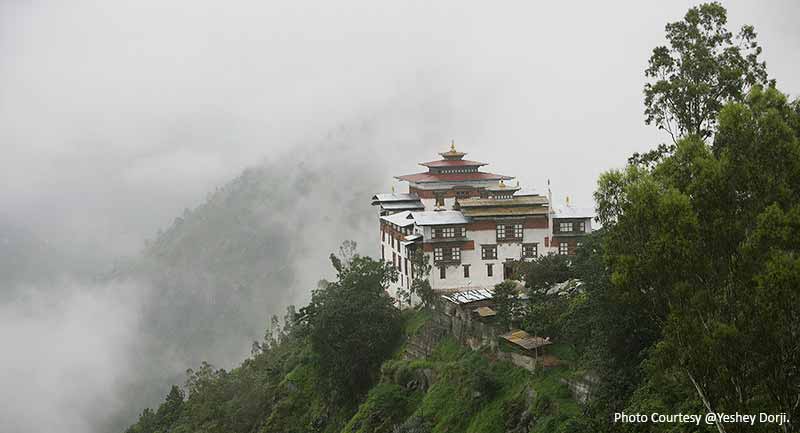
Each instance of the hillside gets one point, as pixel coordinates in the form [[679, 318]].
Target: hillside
[[452, 390]]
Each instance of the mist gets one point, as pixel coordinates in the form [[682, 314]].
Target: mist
[[117, 117]]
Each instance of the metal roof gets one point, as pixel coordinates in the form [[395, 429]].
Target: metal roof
[[516, 201], [526, 192], [525, 340], [451, 177], [401, 219], [410, 239], [402, 205], [573, 212], [453, 163], [432, 218], [499, 211], [394, 196], [485, 312], [468, 296]]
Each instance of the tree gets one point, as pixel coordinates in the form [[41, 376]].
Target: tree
[[541, 273], [703, 68], [352, 326], [704, 244], [421, 284], [506, 302]]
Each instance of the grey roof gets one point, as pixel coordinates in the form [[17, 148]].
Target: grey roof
[[469, 296], [410, 239], [526, 191], [432, 218], [401, 219], [573, 212], [402, 205], [394, 196]]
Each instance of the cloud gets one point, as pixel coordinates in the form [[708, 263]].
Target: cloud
[[65, 351]]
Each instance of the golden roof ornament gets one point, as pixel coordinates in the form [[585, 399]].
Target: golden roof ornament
[[452, 145], [502, 184]]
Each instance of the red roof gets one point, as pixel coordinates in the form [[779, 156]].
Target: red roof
[[452, 163], [451, 177]]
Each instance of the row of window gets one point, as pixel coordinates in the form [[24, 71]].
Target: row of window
[[488, 252], [572, 227], [447, 254], [506, 232], [458, 170], [399, 262], [448, 232], [489, 271]]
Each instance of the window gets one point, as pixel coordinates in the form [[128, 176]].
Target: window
[[564, 227], [442, 272], [563, 248], [581, 226], [401, 280], [530, 251], [447, 232], [489, 270], [406, 262], [489, 252], [509, 232], [501, 232], [394, 260], [383, 253], [466, 271], [447, 254], [439, 199], [383, 235]]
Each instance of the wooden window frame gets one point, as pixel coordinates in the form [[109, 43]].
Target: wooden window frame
[[485, 249], [534, 246]]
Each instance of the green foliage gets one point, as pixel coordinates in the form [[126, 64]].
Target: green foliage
[[386, 406], [704, 67], [506, 303], [545, 310], [703, 245], [421, 285], [353, 325], [544, 271]]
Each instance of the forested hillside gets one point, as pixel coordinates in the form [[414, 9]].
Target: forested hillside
[[689, 298], [338, 365]]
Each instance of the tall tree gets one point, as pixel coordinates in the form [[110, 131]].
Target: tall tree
[[703, 67], [705, 243], [352, 325]]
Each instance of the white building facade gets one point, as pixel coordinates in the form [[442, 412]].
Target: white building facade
[[472, 226]]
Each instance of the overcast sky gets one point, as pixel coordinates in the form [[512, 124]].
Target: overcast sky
[[116, 115]]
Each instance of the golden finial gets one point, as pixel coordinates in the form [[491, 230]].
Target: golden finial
[[567, 200], [502, 184], [392, 189], [452, 145]]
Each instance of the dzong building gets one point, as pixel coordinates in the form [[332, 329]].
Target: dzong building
[[472, 225]]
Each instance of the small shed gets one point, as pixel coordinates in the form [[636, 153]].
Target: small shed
[[530, 345]]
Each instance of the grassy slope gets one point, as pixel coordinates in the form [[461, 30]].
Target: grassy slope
[[455, 390], [470, 393]]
